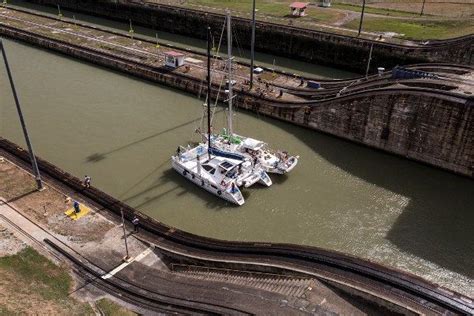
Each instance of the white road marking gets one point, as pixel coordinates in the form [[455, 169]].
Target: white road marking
[[123, 265]]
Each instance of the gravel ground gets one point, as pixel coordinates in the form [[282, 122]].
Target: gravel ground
[[9, 244]]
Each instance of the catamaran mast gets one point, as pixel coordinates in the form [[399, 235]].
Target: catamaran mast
[[209, 90], [252, 45], [229, 67]]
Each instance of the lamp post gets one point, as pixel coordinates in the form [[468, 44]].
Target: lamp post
[[39, 183], [369, 60], [127, 257], [422, 7]]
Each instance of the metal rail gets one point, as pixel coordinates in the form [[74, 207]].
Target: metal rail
[[118, 289]]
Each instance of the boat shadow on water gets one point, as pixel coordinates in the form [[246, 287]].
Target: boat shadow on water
[[96, 157], [152, 193]]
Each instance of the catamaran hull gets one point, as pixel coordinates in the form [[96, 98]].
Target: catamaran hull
[[265, 179], [223, 194]]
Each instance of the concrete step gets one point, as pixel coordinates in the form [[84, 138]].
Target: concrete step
[[278, 284]]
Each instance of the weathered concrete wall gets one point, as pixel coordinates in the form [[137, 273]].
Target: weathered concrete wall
[[413, 123], [326, 48], [430, 126]]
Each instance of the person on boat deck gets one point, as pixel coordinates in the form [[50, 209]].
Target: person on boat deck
[[232, 188]]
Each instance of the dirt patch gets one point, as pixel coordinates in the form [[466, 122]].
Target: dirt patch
[[47, 207]]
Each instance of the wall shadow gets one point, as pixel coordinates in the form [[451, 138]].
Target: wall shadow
[[437, 223]]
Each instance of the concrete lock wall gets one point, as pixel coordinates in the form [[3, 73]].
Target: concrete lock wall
[[313, 46], [433, 127], [437, 130]]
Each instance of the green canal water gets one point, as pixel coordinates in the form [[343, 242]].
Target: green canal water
[[342, 196]]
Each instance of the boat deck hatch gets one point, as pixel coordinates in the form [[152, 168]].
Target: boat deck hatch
[[226, 165]]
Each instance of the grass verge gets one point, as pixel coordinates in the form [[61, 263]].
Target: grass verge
[[31, 284], [381, 11], [278, 9], [110, 308], [416, 30]]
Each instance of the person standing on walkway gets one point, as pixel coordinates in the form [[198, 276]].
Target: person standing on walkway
[[87, 181], [77, 207], [135, 223]]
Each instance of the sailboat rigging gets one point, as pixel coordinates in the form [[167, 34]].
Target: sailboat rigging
[[213, 169]]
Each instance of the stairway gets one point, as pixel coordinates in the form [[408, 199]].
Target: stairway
[[285, 285]]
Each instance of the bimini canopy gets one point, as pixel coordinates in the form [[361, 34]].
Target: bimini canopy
[[225, 154], [253, 144]]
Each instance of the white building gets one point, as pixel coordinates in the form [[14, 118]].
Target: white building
[[174, 59]]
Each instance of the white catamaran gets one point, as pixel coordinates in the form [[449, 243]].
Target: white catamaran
[[215, 170], [258, 151]]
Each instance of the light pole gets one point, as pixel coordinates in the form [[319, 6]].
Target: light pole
[[252, 45], [369, 60], [39, 183], [127, 257], [361, 17], [422, 7]]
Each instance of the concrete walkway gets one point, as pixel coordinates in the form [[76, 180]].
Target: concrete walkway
[[24, 229], [34, 235]]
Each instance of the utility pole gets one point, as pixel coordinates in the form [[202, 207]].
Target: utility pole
[[252, 46], [127, 257], [370, 59], [39, 183], [422, 7], [361, 17], [60, 15], [229, 66], [131, 30]]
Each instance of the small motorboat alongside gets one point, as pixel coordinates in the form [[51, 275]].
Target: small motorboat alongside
[[279, 162]]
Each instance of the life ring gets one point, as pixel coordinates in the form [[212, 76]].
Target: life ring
[[223, 183], [219, 192], [185, 172]]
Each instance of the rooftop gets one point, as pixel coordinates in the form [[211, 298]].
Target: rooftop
[[299, 5], [174, 53]]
